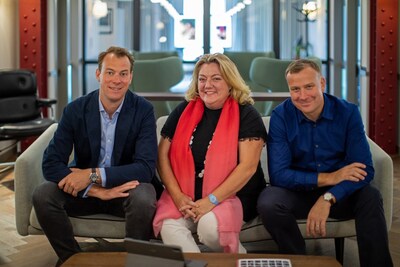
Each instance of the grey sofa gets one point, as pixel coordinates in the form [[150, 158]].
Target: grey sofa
[[28, 174]]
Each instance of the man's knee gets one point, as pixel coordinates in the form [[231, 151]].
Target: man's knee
[[42, 193], [370, 194], [143, 195], [369, 198], [267, 202]]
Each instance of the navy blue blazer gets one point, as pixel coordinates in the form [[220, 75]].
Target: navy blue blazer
[[135, 145]]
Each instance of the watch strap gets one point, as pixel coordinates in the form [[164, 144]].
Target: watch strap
[[213, 199], [329, 197], [93, 174]]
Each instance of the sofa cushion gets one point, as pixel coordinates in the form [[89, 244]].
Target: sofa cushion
[[96, 225]]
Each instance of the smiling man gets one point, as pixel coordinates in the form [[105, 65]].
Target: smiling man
[[320, 165], [113, 134]]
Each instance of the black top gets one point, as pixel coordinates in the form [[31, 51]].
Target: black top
[[250, 126]]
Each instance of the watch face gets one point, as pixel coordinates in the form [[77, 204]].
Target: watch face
[[328, 196], [213, 199], [93, 177]]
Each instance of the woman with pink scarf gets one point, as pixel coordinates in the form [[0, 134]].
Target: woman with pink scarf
[[209, 161]]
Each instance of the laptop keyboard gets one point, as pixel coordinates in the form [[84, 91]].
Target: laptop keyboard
[[264, 263]]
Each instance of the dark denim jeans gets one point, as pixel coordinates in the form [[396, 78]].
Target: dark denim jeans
[[53, 206], [279, 208]]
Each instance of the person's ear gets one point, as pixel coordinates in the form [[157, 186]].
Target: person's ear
[[98, 75], [323, 83]]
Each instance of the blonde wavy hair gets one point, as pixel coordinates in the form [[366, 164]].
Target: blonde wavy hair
[[239, 90]]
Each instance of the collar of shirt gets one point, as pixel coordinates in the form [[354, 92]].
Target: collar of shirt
[[104, 113]]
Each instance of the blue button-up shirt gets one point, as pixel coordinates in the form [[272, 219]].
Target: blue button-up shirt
[[107, 142], [107, 139], [300, 149]]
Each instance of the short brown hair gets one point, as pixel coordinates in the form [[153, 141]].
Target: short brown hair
[[119, 52], [300, 64]]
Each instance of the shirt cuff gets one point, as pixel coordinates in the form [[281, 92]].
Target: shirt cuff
[[103, 177], [86, 191], [338, 192]]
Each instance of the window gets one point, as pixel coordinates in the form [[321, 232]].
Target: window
[[106, 23], [180, 25]]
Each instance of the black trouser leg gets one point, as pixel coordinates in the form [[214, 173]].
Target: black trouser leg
[[53, 207], [365, 205], [279, 208], [139, 208], [49, 203]]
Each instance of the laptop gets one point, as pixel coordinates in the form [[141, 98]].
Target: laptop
[[153, 254]]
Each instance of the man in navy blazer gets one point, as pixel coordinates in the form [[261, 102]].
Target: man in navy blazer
[[112, 133]]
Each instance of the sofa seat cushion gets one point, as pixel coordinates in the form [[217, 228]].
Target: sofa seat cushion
[[97, 225], [253, 230]]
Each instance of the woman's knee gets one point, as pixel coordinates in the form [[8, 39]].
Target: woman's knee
[[177, 232], [207, 230]]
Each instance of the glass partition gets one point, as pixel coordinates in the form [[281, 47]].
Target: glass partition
[[191, 27], [106, 23], [251, 25]]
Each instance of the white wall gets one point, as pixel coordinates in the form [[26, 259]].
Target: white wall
[[9, 46]]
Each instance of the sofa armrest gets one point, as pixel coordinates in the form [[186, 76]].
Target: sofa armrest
[[383, 179], [28, 174]]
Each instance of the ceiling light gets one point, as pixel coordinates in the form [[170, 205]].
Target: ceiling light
[[99, 9]]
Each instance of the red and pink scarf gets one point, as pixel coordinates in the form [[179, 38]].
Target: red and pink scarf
[[221, 160]]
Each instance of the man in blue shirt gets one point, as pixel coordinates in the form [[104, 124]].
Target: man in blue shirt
[[112, 133], [320, 165]]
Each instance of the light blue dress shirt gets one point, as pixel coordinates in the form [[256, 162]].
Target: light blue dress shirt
[[107, 141]]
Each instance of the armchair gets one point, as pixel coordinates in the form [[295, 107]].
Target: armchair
[[243, 61], [20, 108], [269, 73], [154, 55], [157, 75], [254, 230], [28, 175]]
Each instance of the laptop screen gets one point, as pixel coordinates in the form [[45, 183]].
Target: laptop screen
[[154, 254], [149, 254]]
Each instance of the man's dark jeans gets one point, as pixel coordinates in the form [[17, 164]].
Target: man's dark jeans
[[53, 207]]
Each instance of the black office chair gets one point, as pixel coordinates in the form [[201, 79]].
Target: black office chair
[[20, 108]]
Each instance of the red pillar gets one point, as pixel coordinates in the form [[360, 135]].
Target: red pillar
[[33, 45], [383, 76], [33, 40]]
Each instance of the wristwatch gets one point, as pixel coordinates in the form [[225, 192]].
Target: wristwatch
[[94, 178], [329, 197], [213, 199]]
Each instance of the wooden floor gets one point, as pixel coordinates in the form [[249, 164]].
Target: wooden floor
[[35, 251]]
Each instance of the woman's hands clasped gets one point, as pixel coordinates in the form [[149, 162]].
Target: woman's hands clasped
[[191, 209]]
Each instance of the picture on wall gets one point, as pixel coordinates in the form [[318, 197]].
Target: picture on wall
[[221, 31], [105, 23], [185, 32]]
